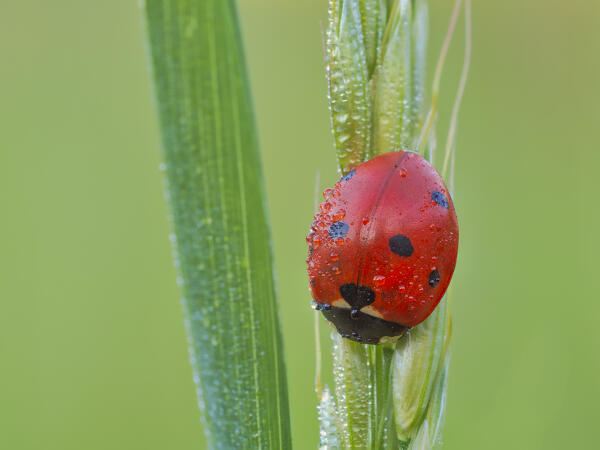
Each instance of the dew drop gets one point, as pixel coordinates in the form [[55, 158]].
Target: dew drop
[[339, 215], [325, 207], [379, 280]]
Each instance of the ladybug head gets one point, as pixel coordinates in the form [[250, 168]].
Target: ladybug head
[[359, 326]]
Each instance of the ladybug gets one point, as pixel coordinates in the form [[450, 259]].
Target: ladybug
[[382, 248]]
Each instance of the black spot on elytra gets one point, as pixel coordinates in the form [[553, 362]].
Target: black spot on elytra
[[357, 297], [338, 230], [434, 278], [348, 176], [439, 198], [401, 245]]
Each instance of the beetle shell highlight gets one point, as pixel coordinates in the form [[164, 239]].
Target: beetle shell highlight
[[383, 247]]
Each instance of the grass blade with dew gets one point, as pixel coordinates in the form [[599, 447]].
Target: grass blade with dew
[[221, 239], [347, 76], [393, 110], [417, 364], [353, 389]]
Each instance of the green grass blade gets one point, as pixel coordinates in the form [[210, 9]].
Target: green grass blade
[[328, 431], [353, 392], [429, 434], [393, 113], [418, 362], [348, 84], [373, 15], [221, 236], [420, 34]]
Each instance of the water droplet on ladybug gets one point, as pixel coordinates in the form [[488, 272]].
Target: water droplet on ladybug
[[378, 280], [336, 270], [334, 256], [326, 192], [339, 241], [365, 221], [403, 173], [339, 215], [325, 207], [354, 313]]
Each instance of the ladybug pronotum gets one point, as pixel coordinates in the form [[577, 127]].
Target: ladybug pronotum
[[382, 248]]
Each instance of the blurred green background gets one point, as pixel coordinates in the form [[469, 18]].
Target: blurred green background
[[92, 346]]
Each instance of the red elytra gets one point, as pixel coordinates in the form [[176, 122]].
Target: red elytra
[[383, 247]]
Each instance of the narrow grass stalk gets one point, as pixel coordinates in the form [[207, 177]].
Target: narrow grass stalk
[[221, 239], [393, 395]]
